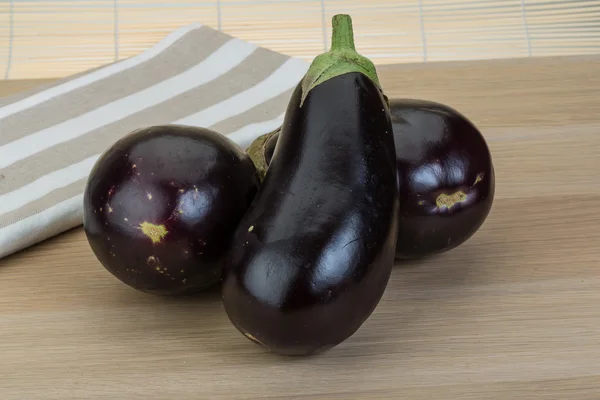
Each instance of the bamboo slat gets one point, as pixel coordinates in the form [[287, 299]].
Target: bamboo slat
[[45, 39]]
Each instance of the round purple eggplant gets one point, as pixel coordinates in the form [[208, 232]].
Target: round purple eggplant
[[446, 176], [445, 173], [313, 254], [161, 206]]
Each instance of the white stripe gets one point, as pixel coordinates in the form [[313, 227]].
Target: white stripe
[[94, 76], [218, 63], [41, 187], [246, 135], [41, 226], [284, 78]]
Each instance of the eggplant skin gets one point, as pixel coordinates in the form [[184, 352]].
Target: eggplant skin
[[161, 206], [445, 173], [312, 257]]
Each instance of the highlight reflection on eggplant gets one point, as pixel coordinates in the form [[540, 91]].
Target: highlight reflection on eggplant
[[445, 173]]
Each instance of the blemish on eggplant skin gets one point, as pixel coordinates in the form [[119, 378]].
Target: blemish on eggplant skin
[[153, 262], [251, 228], [254, 339], [479, 178], [149, 195], [449, 201], [155, 233]]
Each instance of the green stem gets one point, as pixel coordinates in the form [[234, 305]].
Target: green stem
[[342, 33], [341, 59]]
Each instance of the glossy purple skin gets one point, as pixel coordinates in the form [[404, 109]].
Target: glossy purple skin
[[313, 254], [446, 177], [192, 184], [439, 152]]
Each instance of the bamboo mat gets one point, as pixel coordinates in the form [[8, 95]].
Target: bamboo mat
[[44, 39]]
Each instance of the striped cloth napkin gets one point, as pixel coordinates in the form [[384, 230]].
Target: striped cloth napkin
[[51, 137]]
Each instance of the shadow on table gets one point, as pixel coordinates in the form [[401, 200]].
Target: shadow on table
[[200, 322]]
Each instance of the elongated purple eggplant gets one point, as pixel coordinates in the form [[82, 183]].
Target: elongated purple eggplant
[[313, 254], [161, 206], [445, 171]]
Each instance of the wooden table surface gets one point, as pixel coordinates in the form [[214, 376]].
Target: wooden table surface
[[513, 313]]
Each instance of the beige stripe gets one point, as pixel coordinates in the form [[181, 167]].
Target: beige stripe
[[180, 56], [45, 202], [264, 112], [46, 85], [258, 66]]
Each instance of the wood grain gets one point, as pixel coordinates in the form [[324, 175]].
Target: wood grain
[[511, 314]]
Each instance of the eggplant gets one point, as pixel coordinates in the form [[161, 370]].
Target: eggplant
[[313, 254], [161, 206], [445, 172]]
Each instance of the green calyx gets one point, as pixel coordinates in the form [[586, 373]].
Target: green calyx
[[256, 152], [341, 59]]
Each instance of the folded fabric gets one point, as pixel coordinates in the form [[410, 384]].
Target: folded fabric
[[51, 137]]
